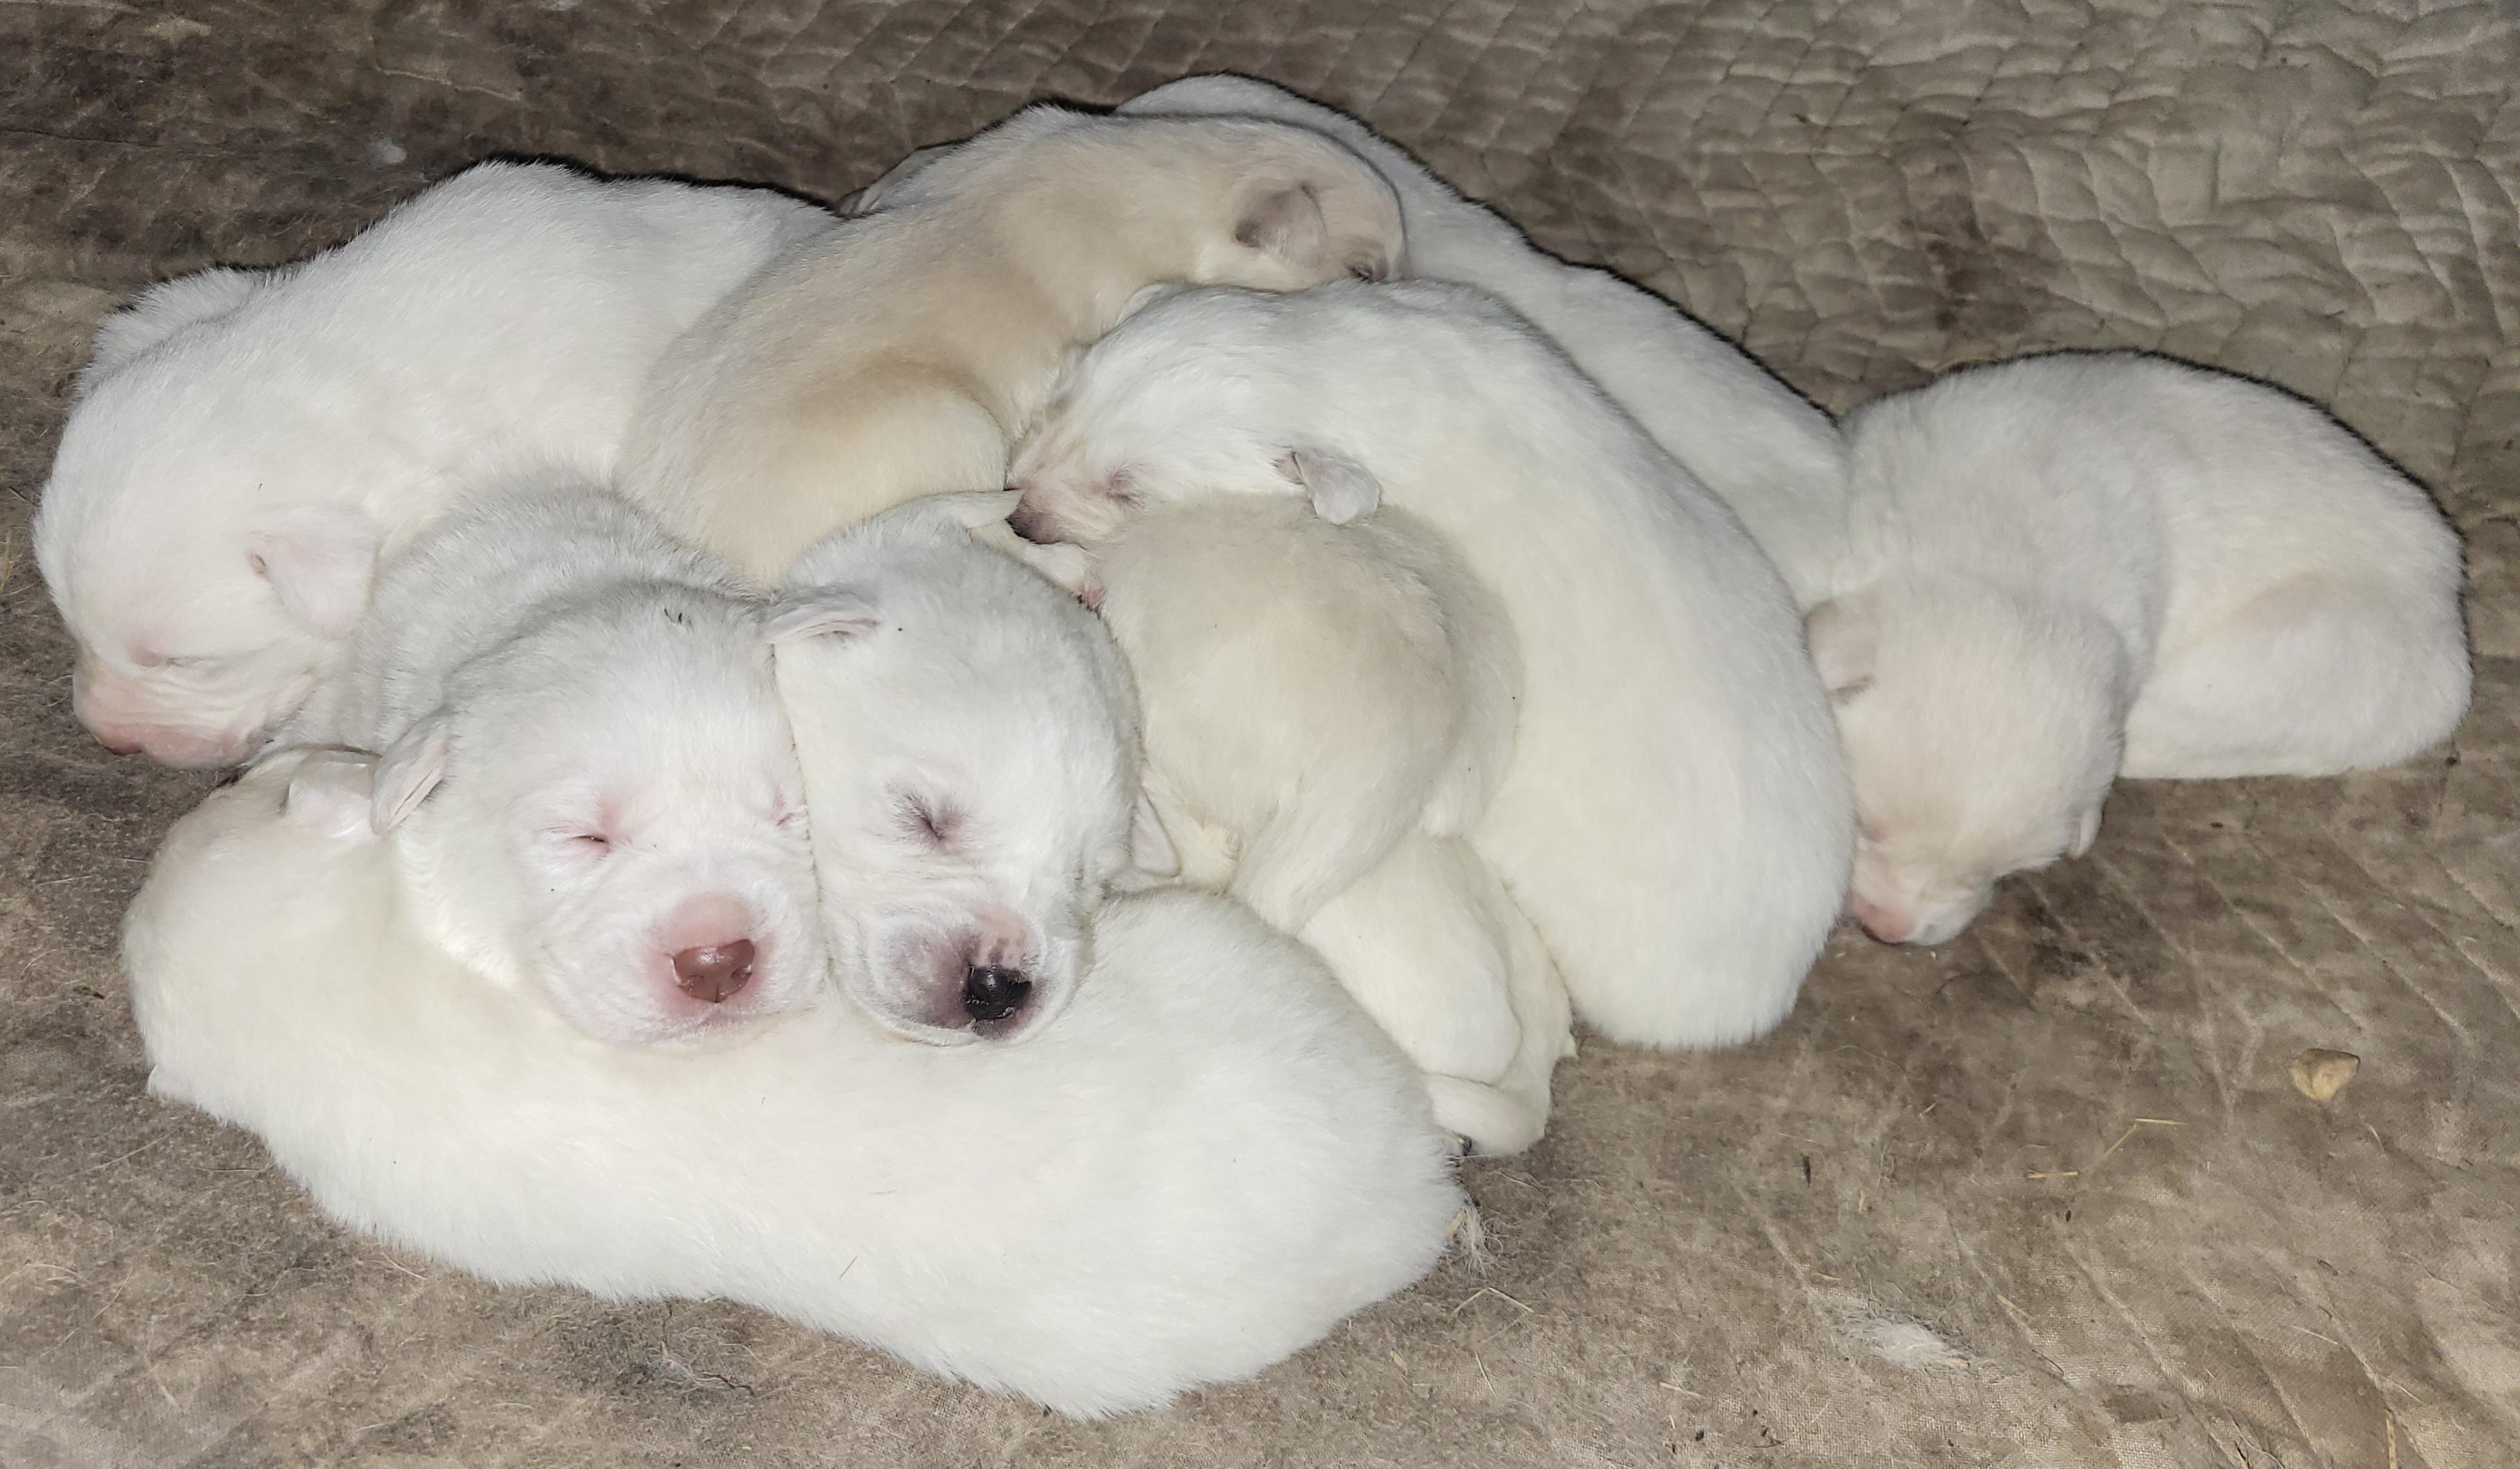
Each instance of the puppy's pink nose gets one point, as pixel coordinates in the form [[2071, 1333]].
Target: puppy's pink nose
[[714, 974], [1888, 926], [171, 746]]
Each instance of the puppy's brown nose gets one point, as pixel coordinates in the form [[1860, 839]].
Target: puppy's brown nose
[[714, 974]]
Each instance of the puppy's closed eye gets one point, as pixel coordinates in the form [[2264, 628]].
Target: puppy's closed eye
[[580, 843], [928, 819]]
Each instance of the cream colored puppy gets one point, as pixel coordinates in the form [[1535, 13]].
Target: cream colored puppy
[[900, 355], [2068, 568], [1326, 710], [1674, 817], [1205, 1164]]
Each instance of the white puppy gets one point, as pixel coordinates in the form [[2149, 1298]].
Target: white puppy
[[969, 740], [1315, 697], [1773, 456], [2067, 569], [1202, 1168], [1675, 818], [898, 355], [587, 780], [248, 444]]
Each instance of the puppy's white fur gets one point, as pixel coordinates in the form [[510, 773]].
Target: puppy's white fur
[[1203, 1167], [586, 771], [1675, 818], [2066, 568], [969, 739], [898, 355], [1338, 704], [248, 444], [1435, 949], [1773, 456]]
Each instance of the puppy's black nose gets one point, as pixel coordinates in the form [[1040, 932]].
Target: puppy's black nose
[[990, 993]]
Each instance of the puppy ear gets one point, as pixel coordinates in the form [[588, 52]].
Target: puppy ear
[[820, 612], [1845, 645], [2087, 831], [409, 771], [1151, 850], [1341, 488], [164, 309], [1285, 223], [333, 793], [321, 561]]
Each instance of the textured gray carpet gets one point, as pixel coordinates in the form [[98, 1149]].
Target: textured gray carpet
[[1830, 1248]]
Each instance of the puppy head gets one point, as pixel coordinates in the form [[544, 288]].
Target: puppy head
[[1196, 393], [1294, 208], [610, 807], [969, 742], [195, 535], [1217, 200], [1982, 731]]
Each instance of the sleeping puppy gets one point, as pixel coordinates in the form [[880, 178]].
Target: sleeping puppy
[[248, 444], [1312, 690], [1774, 456], [898, 355], [1673, 818], [1315, 697], [587, 780], [1208, 1162], [2067, 569], [969, 740]]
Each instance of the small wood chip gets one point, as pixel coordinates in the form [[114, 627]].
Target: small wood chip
[[2319, 1074]]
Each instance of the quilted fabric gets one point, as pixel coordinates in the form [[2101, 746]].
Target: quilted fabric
[[2044, 1197]]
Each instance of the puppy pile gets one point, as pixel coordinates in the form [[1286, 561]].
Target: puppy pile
[[1015, 774]]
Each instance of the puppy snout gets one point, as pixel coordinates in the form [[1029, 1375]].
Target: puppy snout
[[1030, 523], [714, 972], [711, 944], [1886, 924], [180, 748], [993, 992]]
